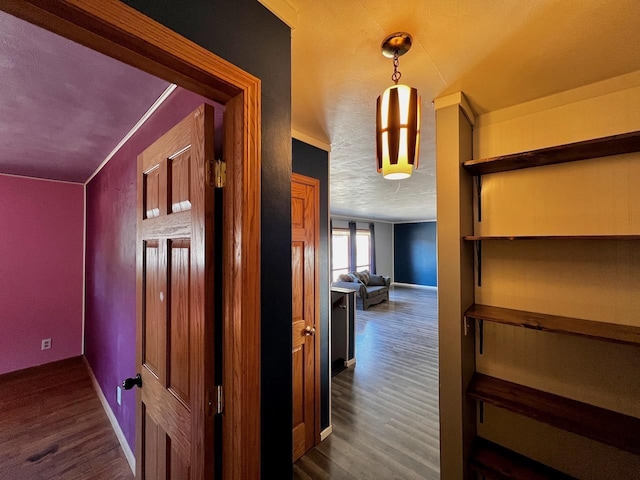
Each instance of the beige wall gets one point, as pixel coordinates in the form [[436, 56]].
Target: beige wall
[[455, 287], [597, 280]]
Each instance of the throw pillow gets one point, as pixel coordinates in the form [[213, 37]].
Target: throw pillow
[[364, 276], [376, 281]]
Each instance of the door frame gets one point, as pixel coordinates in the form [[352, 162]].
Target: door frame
[[121, 32]]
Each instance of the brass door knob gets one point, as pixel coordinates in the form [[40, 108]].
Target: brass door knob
[[308, 331]]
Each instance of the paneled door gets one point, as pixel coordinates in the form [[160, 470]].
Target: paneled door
[[175, 319], [305, 246]]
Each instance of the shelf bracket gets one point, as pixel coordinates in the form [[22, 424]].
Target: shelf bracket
[[479, 196], [467, 325], [481, 336], [478, 245]]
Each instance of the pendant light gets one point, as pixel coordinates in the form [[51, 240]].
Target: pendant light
[[397, 117]]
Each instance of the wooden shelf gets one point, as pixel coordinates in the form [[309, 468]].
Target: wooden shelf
[[550, 237], [610, 332], [606, 426], [498, 463], [570, 152]]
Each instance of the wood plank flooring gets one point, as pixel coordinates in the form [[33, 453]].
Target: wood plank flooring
[[385, 411], [52, 426]]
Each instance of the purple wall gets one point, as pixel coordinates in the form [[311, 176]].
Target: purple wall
[[110, 317], [41, 226]]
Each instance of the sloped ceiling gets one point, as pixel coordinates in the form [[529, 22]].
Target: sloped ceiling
[[499, 52], [63, 107]]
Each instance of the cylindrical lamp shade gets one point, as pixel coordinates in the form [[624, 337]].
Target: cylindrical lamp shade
[[398, 131]]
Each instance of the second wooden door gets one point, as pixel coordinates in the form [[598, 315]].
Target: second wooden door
[[305, 240]]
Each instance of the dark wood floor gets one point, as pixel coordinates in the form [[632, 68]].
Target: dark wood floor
[[52, 426], [385, 411]]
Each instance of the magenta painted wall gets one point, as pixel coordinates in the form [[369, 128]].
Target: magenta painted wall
[[110, 317], [41, 236]]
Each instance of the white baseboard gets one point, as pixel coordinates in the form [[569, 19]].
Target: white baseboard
[[326, 432], [350, 363], [411, 285], [112, 418]]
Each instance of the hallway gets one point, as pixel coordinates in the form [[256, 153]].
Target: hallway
[[385, 411]]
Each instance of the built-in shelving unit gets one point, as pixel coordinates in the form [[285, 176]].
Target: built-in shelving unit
[[493, 462], [478, 239], [606, 426], [570, 152], [550, 237], [610, 332]]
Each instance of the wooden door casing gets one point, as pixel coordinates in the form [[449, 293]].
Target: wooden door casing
[[123, 33], [305, 247], [175, 345]]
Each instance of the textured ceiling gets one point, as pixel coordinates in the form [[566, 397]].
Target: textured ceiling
[[63, 107], [499, 52]]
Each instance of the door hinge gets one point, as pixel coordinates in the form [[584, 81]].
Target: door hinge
[[220, 174], [219, 400]]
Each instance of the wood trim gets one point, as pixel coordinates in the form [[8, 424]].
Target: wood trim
[[606, 426], [611, 332], [121, 32], [324, 434], [315, 183], [570, 152], [550, 237], [459, 99], [494, 461], [309, 140], [241, 278], [160, 100], [284, 10]]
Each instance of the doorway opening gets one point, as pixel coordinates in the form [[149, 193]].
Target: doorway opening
[[126, 35]]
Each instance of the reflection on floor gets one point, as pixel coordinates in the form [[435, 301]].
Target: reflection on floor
[[385, 411], [52, 426]]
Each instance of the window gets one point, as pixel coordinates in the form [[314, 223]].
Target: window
[[339, 252], [362, 251]]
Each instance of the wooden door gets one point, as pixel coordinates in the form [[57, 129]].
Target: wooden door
[[305, 242], [175, 349]]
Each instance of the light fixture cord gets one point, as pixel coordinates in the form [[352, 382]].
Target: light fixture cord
[[396, 63]]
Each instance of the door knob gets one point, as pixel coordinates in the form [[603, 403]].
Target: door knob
[[308, 331], [129, 383]]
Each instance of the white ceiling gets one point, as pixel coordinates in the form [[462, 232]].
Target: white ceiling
[[63, 107], [499, 52]]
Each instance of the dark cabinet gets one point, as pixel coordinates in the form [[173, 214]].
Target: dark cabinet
[[343, 345]]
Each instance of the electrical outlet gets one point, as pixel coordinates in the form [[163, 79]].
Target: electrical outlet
[[119, 395], [46, 344]]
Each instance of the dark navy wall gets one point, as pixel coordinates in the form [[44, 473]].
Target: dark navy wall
[[414, 246], [249, 36], [314, 162]]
